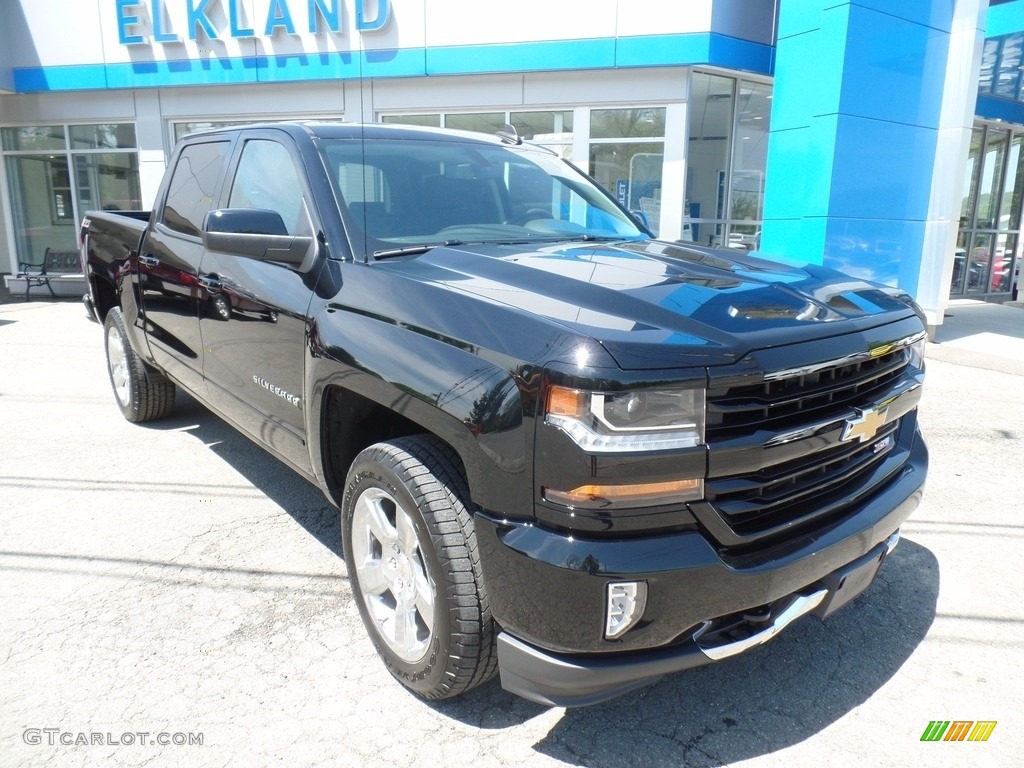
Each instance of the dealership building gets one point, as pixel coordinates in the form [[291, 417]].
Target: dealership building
[[879, 137]]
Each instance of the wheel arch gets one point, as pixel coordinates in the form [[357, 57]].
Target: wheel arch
[[376, 382]]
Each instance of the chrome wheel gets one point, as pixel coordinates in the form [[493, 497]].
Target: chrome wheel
[[117, 362], [414, 564], [391, 573]]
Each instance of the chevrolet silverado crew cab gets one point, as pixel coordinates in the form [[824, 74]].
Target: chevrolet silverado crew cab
[[563, 451]]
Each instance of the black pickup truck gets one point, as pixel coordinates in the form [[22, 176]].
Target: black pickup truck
[[563, 451]]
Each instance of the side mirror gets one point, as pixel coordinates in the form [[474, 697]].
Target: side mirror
[[641, 218], [256, 233]]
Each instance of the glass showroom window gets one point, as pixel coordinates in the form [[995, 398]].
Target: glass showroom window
[[552, 129], [726, 158], [184, 128], [57, 172], [431, 120], [627, 152], [180, 130], [987, 253]]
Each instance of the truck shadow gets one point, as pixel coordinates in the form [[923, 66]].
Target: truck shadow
[[774, 697], [771, 698], [303, 501]]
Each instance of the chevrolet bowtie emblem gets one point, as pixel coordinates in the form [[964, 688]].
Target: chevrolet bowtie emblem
[[865, 426]]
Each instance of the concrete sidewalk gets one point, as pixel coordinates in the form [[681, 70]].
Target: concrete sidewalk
[[982, 335], [175, 579]]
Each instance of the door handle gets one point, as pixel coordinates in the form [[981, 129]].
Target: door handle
[[209, 282], [149, 261]]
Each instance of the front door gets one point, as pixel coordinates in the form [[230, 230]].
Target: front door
[[253, 322]]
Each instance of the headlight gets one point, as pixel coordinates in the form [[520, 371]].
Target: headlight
[[917, 352], [635, 421]]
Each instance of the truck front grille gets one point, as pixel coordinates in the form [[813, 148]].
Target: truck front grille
[[788, 428], [801, 490], [787, 402]]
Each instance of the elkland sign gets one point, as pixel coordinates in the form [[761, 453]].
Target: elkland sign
[[143, 23]]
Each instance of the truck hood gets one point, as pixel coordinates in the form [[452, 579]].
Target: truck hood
[[655, 305]]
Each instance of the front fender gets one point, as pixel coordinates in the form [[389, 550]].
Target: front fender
[[482, 409]]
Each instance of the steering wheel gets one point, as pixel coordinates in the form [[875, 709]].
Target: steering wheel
[[529, 215]]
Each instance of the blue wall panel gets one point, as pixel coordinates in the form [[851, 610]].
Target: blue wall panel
[[855, 117], [894, 70], [800, 186], [937, 14], [880, 169]]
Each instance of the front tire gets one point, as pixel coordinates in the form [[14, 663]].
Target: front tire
[[142, 393], [411, 553]]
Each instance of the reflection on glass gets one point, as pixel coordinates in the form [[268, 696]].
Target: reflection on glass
[[1010, 212], [41, 204], [108, 181], [991, 171], [644, 122], [539, 126], [107, 136], [183, 129], [266, 178], [632, 173], [959, 263], [750, 151], [744, 237], [1002, 263], [430, 121], [712, 100], [193, 184], [483, 122], [990, 214], [457, 191], [33, 137], [978, 263], [971, 178]]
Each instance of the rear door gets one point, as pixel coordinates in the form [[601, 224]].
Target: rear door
[[253, 323], [169, 260]]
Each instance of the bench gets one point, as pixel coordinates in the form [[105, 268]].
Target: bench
[[54, 265]]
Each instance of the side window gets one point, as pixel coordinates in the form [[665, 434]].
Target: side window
[[194, 184], [266, 178]]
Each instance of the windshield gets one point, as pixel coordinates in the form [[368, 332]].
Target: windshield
[[400, 194]]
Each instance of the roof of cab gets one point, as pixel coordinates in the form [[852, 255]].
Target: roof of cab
[[375, 131]]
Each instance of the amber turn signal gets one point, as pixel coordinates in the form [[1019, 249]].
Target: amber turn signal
[[566, 402], [636, 495]]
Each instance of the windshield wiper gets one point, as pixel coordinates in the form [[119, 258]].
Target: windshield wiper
[[411, 250], [580, 238]]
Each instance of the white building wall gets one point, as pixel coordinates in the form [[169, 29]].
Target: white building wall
[[79, 32], [62, 43]]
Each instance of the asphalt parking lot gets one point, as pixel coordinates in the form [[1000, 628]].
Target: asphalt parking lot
[[172, 595]]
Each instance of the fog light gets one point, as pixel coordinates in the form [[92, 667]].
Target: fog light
[[626, 603]]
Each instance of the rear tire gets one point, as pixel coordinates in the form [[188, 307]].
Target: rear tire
[[412, 558], [142, 393]]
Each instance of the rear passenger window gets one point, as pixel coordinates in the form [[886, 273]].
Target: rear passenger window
[[194, 186], [266, 178]]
